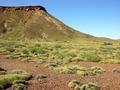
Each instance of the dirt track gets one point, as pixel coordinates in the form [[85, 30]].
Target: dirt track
[[56, 81]]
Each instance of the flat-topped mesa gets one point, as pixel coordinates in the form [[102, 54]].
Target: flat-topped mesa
[[22, 8]]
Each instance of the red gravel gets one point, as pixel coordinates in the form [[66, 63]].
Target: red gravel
[[55, 81]]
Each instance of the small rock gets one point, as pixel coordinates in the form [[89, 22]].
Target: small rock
[[39, 77], [116, 70]]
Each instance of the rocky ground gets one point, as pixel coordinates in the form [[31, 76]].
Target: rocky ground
[[109, 80]]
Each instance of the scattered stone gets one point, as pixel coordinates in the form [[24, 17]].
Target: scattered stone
[[107, 43], [2, 71], [39, 77], [116, 70]]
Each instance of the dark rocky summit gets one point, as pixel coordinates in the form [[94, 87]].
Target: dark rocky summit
[[23, 8]]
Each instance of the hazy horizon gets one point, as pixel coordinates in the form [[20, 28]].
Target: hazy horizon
[[99, 18]]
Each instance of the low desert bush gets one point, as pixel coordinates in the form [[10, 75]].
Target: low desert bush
[[90, 57], [37, 50], [79, 70], [10, 49], [19, 86], [106, 49], [76, 85], [66, 69], [10, 78], [20, 82], [110, 61]]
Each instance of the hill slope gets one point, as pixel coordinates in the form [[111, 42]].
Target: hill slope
[[34, 22]]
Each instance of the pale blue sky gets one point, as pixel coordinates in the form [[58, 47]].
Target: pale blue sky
[[96, 17]]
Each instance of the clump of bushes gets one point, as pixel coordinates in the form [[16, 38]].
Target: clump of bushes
[[106, 49], [66, 56], [10, 49], [37, 50], [66, 69], [90, 57], [79, 70], [90, 71], [19, 86], [14, 77], [76, 85], [20, 81]]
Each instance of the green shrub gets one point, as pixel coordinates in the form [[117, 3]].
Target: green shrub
[[117, 56], [76, 59], [76, 85], [11, 56], [106, 49], [2, 72], [25, 51], [66, 70], [111, 61], [19, 87], [10, 78], [37, 50], [10, 49], [17, 71], [90, 57], [56, 46], [24, 55], [20, 82], [1, 87], [79, 70], [67, 60]]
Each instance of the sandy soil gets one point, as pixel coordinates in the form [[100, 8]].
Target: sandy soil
[[56, 81]]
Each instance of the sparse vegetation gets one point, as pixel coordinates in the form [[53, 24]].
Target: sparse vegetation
[[59, 52]]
